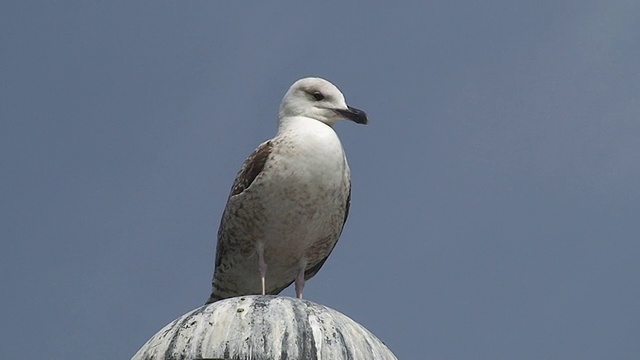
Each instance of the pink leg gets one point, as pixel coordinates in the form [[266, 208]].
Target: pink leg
[[300, 279], [262, 267]]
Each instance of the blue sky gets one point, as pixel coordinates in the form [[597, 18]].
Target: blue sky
[[495, 206]]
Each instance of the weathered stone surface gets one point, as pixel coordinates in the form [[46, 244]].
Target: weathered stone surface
[[261, 328]]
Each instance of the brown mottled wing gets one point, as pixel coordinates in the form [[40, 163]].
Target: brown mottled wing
[[251, 168], [315, 268]]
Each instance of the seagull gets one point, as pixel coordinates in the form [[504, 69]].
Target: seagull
[[290, 200]]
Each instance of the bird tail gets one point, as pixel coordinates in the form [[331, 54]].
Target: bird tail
[[219, 292], [213, 298]]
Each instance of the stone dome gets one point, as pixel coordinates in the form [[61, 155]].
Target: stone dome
[[263, 327]]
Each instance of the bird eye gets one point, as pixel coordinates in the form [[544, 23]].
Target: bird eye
[[317, 95]]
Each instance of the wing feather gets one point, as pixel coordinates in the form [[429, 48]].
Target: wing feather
[[249, 171]]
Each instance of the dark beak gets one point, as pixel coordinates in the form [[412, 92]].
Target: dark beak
[[353, 114]]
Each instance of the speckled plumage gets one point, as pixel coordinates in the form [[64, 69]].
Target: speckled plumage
[[290, 200]]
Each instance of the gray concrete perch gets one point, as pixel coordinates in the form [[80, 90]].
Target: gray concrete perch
[[263, 327]]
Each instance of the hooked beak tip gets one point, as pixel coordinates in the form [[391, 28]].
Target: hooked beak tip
[[356, 115]]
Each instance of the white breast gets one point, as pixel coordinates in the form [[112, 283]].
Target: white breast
[[307, 185], [294, 209]]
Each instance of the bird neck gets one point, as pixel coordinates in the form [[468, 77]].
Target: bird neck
[[294, 123]]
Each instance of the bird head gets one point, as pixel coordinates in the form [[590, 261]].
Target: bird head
[[318, 99]]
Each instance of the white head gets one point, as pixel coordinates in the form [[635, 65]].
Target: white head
[[318, 99]]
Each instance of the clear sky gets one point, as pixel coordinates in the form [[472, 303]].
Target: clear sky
[[496, 200]]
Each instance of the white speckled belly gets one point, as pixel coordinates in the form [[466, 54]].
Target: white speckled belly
[[295, 207]]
